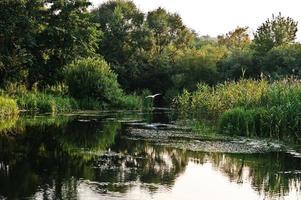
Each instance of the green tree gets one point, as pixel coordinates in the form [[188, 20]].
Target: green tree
[[237, 39], [19, 25], [283, 61], [274, 32], [67, 35], [123, 32], [38, 37], [125, 39], [169, 32], [198, 66], [238, 64]]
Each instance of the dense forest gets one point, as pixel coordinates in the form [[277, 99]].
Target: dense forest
[[61, 55]]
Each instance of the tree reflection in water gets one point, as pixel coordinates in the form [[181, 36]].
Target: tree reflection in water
[[60, 157]]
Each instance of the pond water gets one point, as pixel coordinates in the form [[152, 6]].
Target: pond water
[[86, 156]]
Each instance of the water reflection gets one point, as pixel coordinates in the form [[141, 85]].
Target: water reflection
[[86, 157]]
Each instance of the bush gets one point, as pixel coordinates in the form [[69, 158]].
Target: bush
[[8, 107], [92, 78]]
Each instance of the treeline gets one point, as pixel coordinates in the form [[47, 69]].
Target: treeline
[[41, 41]]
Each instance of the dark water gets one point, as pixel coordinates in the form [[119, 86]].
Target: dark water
[[86, 157]]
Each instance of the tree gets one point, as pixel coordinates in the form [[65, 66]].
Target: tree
[[38, 37], [239, 64], [19, 25], [67, 35], [275, 32], [237, 39], [198, 66], [125, 39], [283, 61], [123, 32], [169, 32]]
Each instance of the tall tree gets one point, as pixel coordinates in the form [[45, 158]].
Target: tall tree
[[67, 35], [169, 31], [123, 32], [274, 32], [19, 25]]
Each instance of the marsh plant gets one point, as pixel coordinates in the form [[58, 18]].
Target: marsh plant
[[248, 107], [36, 101]]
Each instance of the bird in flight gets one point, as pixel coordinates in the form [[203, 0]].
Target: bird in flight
[[153, 96]]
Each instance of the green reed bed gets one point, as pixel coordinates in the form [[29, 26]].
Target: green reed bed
[[249, 107], [45, 103]]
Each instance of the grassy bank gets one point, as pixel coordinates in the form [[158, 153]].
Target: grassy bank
[[248, 107], [52, 100]]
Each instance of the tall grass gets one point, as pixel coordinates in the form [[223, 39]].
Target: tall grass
[[249, 107], [8, 107], [43, 103], [211, 102], [38, 101]]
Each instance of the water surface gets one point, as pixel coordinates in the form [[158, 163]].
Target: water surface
[[86, 156]]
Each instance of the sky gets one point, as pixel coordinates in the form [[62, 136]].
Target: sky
[[216, 17]]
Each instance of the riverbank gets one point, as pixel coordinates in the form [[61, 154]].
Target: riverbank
[[12, 103], [185, 139]]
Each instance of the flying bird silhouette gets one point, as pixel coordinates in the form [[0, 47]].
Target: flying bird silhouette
[[153, 96]]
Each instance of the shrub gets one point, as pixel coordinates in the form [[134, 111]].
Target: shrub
[[92, 78]]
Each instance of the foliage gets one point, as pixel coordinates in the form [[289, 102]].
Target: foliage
[[95, 85], [274, 32], [123, 33], [168, 29], [39, 37], [93, 78], [8, 107], [141, 46], [248, 107], [283, 61], [57, 48], [198, 66], [237, 39], [6, 125], [45, 103], [211, 102], [238, 64], [41, 102]]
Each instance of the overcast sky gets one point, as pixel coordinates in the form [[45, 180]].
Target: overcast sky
[[215, 17]]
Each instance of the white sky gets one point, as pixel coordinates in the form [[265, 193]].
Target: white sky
[[215, 17]]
